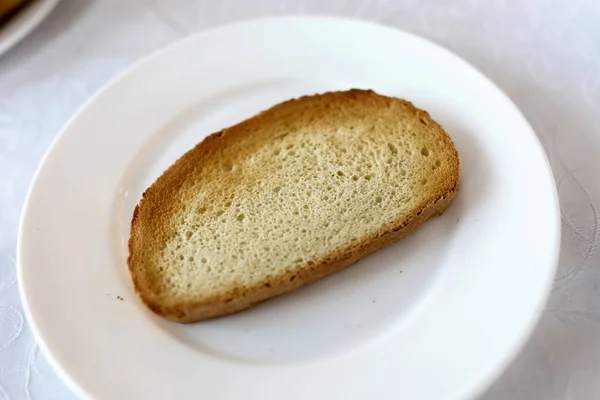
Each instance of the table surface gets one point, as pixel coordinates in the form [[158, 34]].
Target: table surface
[[544, 54]]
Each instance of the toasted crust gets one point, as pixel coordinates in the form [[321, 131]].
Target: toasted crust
[[152, 223], [8, 8]]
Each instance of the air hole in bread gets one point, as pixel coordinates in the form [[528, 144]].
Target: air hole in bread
[[228, 167]]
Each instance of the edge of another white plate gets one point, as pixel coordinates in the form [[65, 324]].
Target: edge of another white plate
[[480, 387], [22, 24]]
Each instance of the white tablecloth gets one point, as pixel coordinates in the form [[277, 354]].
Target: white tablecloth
[[544, 54]]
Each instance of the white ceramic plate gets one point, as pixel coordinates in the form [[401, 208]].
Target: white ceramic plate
[[24, 22], [436, 316]]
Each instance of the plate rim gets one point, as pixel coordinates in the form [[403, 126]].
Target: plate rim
[[484, 383], [24, 23]]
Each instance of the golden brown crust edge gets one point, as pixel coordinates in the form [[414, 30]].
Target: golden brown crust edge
[[11, 8]]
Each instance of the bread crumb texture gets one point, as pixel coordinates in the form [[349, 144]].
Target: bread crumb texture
[[279, 200]]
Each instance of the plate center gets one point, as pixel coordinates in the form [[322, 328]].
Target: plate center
[[333, 315]]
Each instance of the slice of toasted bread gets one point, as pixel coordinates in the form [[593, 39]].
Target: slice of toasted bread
[[298, 192]]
